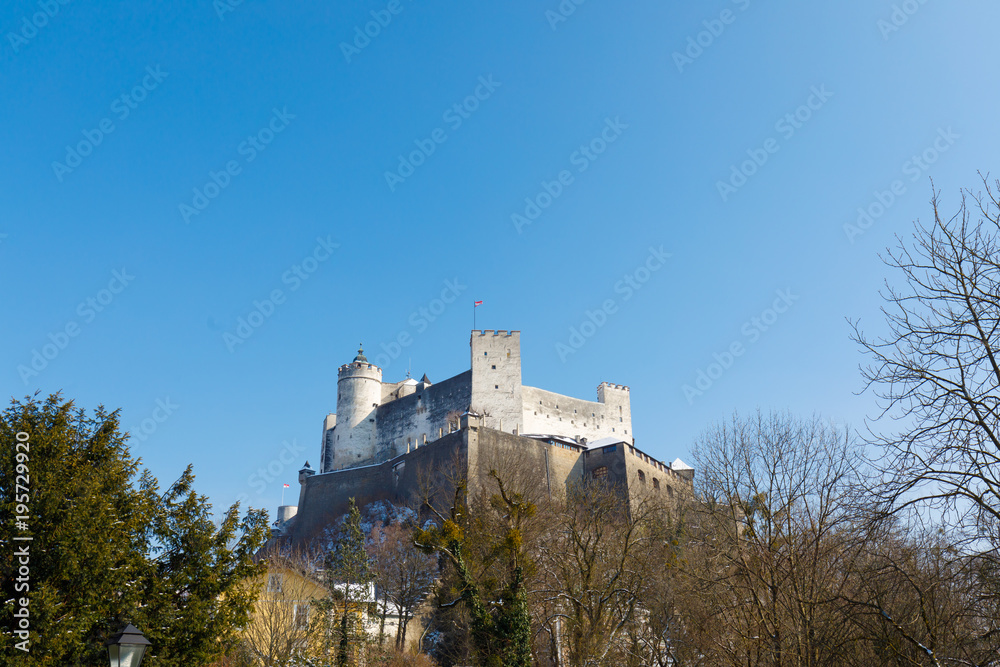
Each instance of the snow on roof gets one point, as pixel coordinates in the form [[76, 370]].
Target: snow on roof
[[550, 436], [604, 442], [409, 381], [680, 465]]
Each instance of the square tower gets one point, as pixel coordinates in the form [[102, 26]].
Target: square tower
[[496, 379]]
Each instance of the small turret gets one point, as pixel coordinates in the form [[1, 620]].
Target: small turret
[[305, 473]]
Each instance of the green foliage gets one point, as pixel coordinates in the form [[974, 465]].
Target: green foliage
[[108, 549], [500, 621], [347, 566]]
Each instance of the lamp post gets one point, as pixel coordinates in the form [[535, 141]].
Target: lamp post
[[127, 648]]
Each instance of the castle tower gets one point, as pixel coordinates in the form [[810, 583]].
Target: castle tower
[[496, 379], [359, 391], [619, 408]]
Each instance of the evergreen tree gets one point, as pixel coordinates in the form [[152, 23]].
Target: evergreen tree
[[348, 569], [107, 548]]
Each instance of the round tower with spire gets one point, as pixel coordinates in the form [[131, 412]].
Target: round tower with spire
[[359, 392]]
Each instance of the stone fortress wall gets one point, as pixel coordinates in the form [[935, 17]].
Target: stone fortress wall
[[468, 453], [388, 440]]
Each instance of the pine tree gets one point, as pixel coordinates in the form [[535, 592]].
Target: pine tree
[[107, 548], [347, 566]]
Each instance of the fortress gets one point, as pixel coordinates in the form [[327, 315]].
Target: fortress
[[386, 436]]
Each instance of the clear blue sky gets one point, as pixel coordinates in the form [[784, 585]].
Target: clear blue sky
[[300, 123]]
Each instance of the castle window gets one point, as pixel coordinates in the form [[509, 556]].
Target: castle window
[[642, 477], [485, 353], [508, 354], [600, 473], [612, 430], [494, 366], [620, 419], [274, 583], [656, 484], [670, 491], [610, 448], [496, 386]]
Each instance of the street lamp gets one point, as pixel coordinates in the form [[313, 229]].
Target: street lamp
[[127, 647]]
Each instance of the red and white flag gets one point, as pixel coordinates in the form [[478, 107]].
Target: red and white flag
[[286, 486], [478, 303]]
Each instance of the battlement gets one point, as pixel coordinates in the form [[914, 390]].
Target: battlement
[[498, 332], [611, 385], [357, 365]]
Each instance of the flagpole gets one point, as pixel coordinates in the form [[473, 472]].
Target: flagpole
[[473, 314], [282, 494]]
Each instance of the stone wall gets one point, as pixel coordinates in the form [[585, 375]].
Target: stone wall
[[547, 468], [552, 413], [421, 417], [325, 497]]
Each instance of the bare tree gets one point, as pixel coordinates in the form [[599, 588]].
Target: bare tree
[[283, 629], [598, 563], [404, 573], [937, 371], [768, 554], [917, 602]]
